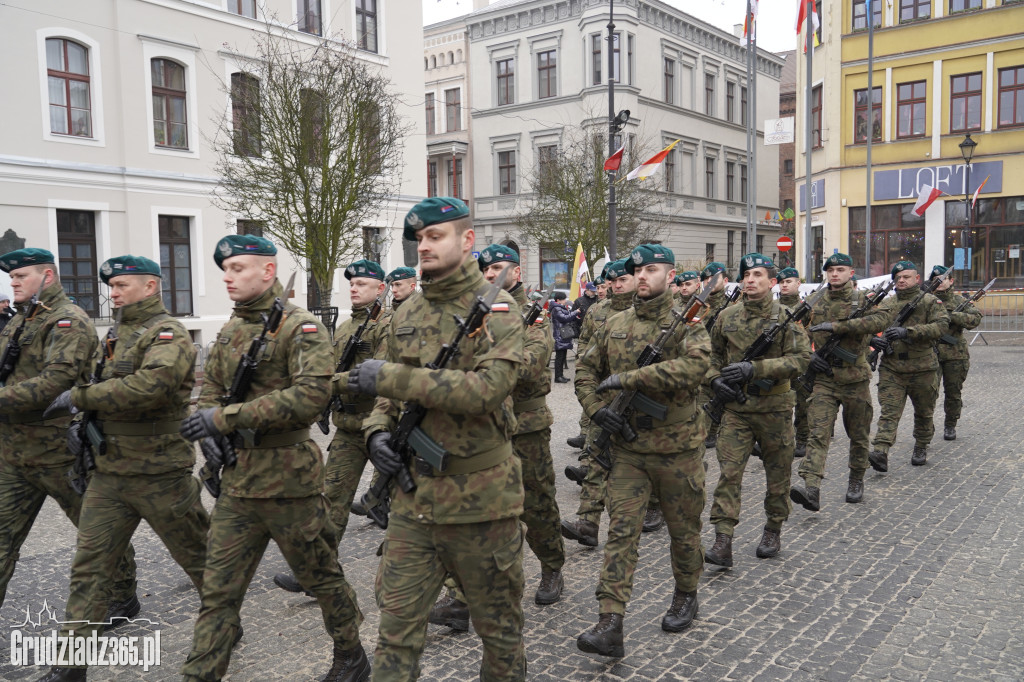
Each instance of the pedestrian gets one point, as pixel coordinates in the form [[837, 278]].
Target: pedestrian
[[275, 489], [789, 296], [909, 367], [954, 355], [463, 520], [562, 329], [844, 380], [6, 312], [582, 304], [717, 302], [57, 343], [665, 457], [145, 470], [766, 416]]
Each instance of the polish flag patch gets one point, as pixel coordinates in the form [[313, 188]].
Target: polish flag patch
[[64, 324], [499, 308], [166, 336], [308, 328]]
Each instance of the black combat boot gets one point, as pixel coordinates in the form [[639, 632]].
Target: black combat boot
[[452, 613], [949, 433], [605, 638], [920, 456], [800, 450], [720, 553], [550, 589], [238, 637], [809, 498], [879, 460], [855, 490], [64, 675], [653, 520], [577, 474], [582, 531], [350, 665], [357, 508], [577, 441], [710, 441], [288, 583], [120, 612], [771, 543], [681, 613]]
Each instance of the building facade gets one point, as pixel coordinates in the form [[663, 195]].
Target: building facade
[[446, 105], [787, 156], [941, 70]]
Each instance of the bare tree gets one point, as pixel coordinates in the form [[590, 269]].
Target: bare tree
[[311, 149]]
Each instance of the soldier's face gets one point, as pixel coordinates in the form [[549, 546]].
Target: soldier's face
[[757, 283], [721, 283], [247, 276], [907, 279], [128, 289], [790, 285], [26, 282], [945, 284], [689, 287], [403, 288], [363, 290], [494, 270], [442, 249], [653, 279], [602, 291], [623, 284], [838, 275]]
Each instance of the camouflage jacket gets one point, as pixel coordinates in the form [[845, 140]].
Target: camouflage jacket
[[929, 321], [146, 385], [56, 346], [715, 301], [837, 307], [356, 408], [289, 390], [673, 382], [529, 402], [953, 345], [469, 404], [599, 313], [791, 301], [739, 326]]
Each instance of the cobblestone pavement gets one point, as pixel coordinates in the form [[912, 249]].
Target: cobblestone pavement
[[921, 581]]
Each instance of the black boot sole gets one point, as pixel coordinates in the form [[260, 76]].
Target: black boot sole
[[456, 624], [799, 496], [613, 652], [569, 533], [880, 466], [717, 561], [678, 628]]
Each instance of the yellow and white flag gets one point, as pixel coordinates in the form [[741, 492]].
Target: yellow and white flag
[[580, 273]]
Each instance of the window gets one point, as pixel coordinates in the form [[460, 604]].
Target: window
[[432, 178], [76, 247], [743, 183], [1011, 97], [709, 94], [915, 10], [176, 264], [860, 115], [547, 163], [743, 243], [787, 166], [730, 102], [709, 177], [372, 244], [366, 25], [547, 79], [743, 106], [730, 176], [910, 109], [860, 21], [760, 243], [730, 247], [616, 74], [630, 41], [245, 114], [429, 106], [253, 227], [245, 8], [453, 109], [67, 70], [311, 124], [506, 172], [997, 231], [965, 103], [369, 139], [309, 16], [816, 118], [963, 5], [670, 80], [595, 57], [896, 234], [170, 128], [506, 82], [670, 171], [709, 252], [455, 183]]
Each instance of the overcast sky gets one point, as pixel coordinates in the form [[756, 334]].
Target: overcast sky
[[776, 22]]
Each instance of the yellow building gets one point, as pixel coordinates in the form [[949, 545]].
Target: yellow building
[[942, 69]]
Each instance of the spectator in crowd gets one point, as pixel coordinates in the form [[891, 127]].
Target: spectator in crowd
[[562, 320]]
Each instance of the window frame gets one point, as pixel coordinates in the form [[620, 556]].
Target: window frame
[[431, 178], [73, 238], [363, 16], [669, 79], [430, 111], [915, 7], [505, 81], [964, 98], [98, 137], [547, 73], [817, 103], [247, 132], [670, 171], [67, 77], [913, 102], [743, 105], [858, 109], [169, 285], [235, 7], [709, 177], [743, 181], [966, 8], [595, 58], [168, 93], [730, 178], [730, 101], [1018, 107], [710, 86], [876, 12], [455, 185], [506, 172], [304, 13], [453, 110]]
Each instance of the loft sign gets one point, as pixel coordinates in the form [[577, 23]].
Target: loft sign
[[906, 183]]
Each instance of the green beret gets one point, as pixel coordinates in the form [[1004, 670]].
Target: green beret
[[24, 257], [786, 273], [711, 269], [755, 260], [938, 271], [365, 268], [497, 253], [400, 273], [901, 266], [837, 259], [686, 276], [128, 265], [599, 280], [645, 254], [432, 211], [242, 245], [615, 269]]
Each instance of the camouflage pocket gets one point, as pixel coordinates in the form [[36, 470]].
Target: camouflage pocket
[[192, 492], [510, 553], [310, 529]]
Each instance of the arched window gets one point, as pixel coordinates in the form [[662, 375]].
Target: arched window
[[67, 70], [433, 62], [512, 245], [170, 125]]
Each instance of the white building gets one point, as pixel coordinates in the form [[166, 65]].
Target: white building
[[110, 104]]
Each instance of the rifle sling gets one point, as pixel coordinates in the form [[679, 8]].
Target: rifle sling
[[116, 428], [464, 465]]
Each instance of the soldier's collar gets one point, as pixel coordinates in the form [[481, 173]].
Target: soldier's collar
[[622, 301], [759, 306], [466, 278], [250, 310], [653, 307], [909, 292], [142, 310]]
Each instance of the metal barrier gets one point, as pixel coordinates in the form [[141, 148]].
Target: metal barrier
[[1004, 314]]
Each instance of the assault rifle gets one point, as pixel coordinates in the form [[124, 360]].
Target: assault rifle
[[535, 309], [626, 402], [906, 311], [729, 298], [978, 295], [9, 360], [93, 442], [220, 451], [830, 349], [759, 347], [348, 358], [408, 438]]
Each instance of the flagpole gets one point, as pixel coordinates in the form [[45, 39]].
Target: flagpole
[[752, 121], [612, 237], [750, 145], [808, 138], [871, 134]]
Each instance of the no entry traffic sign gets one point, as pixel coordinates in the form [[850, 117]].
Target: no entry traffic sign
[[784, 243]]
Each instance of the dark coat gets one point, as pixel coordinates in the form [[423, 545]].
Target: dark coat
[[582, 304], [560, 318]]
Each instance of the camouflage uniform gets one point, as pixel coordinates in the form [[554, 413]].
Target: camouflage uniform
[[766, 416], [848, 387], [954, 356], [666, 456], [464, 521], [711, 429], [146, 472], [800, 426], [911, 369], [275, 489], [56, 346]]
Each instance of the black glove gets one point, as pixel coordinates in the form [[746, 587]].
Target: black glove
[[363, 377], [60, 407], [820, 364], [738, 372], [199, 425], [212, 451], [611, 383], [895, 333], [879, 343], [823, 327], [383, 457], [76, 439], [608, 420], [723, 390]]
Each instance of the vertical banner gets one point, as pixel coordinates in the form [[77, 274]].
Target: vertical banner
[[580, 273]]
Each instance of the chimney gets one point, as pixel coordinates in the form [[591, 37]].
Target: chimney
[[737, 30]]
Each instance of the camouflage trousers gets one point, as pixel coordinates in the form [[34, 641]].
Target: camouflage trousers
[[893, 390], [240, 529], [678, 479], [953, 374], [740, 430], [486, 559], [828, 397], [705, 396], [112, 509], [593, 492], [22, 493], [540, 508], [800, 425], [346, 459]]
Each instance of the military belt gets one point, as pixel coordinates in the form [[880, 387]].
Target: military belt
[[115, 428], [948, 338], [529, 405], [463, 465], [22, 417], [777, 389], [271, 440]]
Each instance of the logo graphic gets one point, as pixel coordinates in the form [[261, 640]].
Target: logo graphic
[[225, 248], [487, 256], [106, 269], [413, 220], [637, 258]]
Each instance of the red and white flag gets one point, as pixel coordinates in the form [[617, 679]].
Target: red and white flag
[[651, 165], [750, 20], [928, 196], [613, 162], [974, 200], [801, 22]]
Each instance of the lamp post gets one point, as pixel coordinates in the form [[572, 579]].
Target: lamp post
[[967, 151]]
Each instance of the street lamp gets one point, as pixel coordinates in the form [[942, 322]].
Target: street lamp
[[967, 151]]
